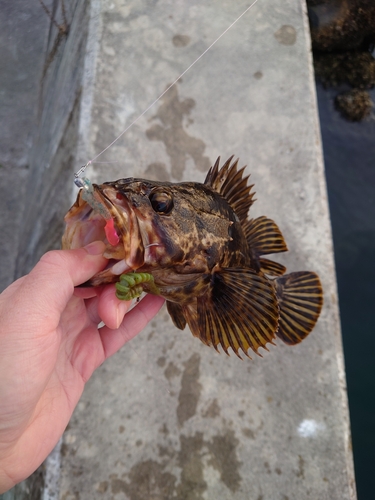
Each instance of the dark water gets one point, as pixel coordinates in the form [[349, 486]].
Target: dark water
[[349, 154]]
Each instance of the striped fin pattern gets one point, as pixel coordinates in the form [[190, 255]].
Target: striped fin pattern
[[271, 268], [264, 236], [230, 183], [300, 298], [240, 311]]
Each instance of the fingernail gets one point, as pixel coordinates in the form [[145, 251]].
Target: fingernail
[[95, 248]]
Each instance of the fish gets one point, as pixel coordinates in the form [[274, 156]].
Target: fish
[[194, 244]]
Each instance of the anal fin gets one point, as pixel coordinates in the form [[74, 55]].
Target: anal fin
[[300, 298]]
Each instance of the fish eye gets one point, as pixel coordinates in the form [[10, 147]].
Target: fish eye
[[161, 202]]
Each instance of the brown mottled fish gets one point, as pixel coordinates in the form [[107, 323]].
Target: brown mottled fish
[[193, 244]]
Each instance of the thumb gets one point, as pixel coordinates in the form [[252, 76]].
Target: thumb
[[53, 279]]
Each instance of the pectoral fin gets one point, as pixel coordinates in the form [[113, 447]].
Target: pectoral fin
[[300, 298], [240, 311]]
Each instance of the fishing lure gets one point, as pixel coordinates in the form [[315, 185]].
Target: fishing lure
[[89, 195]]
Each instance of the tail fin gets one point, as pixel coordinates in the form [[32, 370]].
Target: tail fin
[[300, 297]]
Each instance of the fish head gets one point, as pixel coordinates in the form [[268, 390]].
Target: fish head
[[148, 224]]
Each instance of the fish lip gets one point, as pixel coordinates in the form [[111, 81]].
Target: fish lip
[[126, 224], [82, 219]]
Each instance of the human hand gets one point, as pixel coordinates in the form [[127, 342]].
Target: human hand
[[50, 345]]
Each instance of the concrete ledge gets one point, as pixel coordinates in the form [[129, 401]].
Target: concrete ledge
[[168, 417]]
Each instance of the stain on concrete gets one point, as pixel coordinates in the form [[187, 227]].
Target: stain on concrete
[[192, 484], [165, 451], [301, 467], [150, 480], [102, 487], [171, 344], [161, 361], [190, 390], [213, 410], [258, 75], [248, 433], [171, 371], [180, 146], [121, 429], [147, 480], [286, 35], [157, 171], [181, 40], [224, 459], [164, 430]]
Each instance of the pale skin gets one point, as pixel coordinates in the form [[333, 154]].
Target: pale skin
[[50, 345]]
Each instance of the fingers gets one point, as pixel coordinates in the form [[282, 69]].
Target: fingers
[[134, 321], [86, 293], [53, 279], [79, 264], [110, 308]]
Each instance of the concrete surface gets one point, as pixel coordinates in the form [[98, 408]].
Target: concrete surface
[[55, 140], [23, 42], [167, 417]]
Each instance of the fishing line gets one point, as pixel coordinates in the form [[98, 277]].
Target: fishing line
[[85, 184], [82, 169]]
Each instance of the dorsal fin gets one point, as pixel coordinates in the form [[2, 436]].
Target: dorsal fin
[[264, 237], [230, 183]]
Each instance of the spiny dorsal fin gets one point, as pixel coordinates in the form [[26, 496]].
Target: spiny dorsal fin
[[300, 298], [239, 311], [230, 183]]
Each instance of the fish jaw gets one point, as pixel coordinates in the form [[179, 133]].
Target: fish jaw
[[120, 232]]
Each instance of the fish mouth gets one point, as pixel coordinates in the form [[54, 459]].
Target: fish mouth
[[111, 219]]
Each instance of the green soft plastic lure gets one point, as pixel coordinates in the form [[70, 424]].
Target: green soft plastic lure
[[130, 285]]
